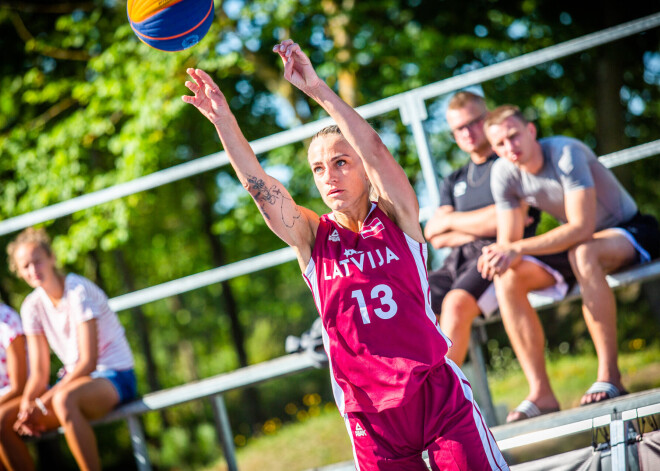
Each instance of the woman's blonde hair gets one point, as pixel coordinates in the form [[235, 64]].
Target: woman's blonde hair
[[28, 236]]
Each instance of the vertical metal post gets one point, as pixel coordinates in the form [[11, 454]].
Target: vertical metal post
[[618, 437], [480, 380], [224, 431], [139, 444], [413, 113]]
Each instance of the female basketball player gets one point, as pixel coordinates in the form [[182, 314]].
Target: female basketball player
[[365, 263], [69, 314]]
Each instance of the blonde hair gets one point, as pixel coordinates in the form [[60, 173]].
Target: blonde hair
[[499, 114], [333, 129], [464, 98], [28, 236]]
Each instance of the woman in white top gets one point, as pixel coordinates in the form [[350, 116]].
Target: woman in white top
[[13, 361], [69, 314]]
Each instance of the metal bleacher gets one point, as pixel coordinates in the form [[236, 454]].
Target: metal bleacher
[[412, 107]]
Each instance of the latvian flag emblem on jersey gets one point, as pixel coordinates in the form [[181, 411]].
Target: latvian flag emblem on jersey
[[372, 229]]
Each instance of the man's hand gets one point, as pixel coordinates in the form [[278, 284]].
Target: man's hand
[[298, 68], [496, 259], [208, 98]]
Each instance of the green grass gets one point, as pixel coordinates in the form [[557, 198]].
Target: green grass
[[317, 441], [571, 375], [323, 440]]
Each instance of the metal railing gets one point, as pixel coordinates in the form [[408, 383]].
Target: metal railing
[[412, 108]]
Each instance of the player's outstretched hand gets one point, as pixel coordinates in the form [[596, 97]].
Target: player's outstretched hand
[[208, 98], [297, 67]]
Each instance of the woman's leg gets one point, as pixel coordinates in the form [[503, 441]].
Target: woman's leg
[[456, 434], [75, 405], [380, 441], [13, 450]]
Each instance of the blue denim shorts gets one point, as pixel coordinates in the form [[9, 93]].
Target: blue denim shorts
[[123, 380]]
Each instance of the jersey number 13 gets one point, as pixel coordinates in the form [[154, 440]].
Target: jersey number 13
[[383, 293]]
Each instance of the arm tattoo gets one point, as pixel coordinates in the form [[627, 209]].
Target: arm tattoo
[[262, 195]]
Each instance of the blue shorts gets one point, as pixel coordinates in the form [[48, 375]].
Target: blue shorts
[[123, 381]]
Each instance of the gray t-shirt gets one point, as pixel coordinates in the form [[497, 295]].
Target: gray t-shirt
[[568, 164]]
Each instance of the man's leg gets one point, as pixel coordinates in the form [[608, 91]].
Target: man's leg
[[461, 305], [524, 329], [608, 251], [459, 309]]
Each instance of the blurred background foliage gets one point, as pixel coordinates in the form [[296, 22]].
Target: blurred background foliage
[[84, 105]]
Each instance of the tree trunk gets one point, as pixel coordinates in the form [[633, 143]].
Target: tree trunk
[[141, 323], [338, 19], [610, 112], [230, 307]]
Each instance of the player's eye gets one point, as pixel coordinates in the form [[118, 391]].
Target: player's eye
[[341, 163]]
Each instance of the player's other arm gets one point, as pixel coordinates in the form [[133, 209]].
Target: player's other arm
[[395, 194], [294, 224]]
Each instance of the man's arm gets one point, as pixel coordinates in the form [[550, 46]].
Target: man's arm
[[435, 225], [451, 239], [480, 222], [581, 224]]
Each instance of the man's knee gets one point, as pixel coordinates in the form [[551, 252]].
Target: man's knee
[[584, 258], [510, 283], [459, 306]]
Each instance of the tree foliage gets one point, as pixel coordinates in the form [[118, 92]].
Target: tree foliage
[[84, 106]]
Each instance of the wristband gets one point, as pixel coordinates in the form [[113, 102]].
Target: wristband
[[41, 405]]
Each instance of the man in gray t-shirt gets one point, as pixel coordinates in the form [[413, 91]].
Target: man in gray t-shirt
[[599, 226]]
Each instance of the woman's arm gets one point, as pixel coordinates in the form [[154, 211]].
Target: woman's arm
[[37, 383], [87, 357], [39, 360], [294, 224], [16, 368], [396, 196]]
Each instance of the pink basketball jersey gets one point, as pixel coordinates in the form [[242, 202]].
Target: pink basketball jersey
[[380, 333]]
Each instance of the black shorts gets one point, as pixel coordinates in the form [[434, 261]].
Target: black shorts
[[560, 263], [459, 271], [646, 236]]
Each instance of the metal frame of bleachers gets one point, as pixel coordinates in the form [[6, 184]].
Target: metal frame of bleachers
[[412, 108]]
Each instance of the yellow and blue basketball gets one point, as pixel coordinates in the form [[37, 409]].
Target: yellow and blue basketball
[[170, 25]]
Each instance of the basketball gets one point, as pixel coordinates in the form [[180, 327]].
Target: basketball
[[170, 25]]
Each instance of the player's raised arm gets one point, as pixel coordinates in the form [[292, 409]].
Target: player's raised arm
[[294, 224], [396, 195]]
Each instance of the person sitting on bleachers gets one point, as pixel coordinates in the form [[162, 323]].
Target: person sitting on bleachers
[[600, 226], [466, 222], [13, 360], [69, 314]]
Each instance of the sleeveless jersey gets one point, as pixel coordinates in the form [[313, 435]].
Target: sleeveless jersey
[[379, 331]]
